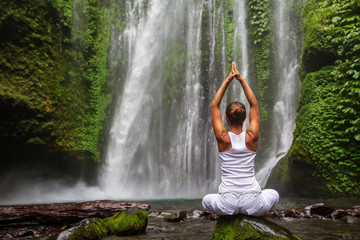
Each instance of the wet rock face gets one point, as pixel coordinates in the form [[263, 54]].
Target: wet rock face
[[243, 227]]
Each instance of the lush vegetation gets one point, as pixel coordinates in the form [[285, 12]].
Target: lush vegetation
[[54, 56], [327, 134], [260, 31]]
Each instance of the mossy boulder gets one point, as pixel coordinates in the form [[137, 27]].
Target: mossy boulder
[[130, 222], [96, 230], [242, 227]]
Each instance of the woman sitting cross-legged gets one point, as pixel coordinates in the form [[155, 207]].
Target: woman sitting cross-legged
[[239, 192]]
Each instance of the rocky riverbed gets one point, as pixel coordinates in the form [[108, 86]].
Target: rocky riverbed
[[316, 221]]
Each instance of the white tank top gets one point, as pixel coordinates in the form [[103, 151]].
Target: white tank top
[[237, 167]]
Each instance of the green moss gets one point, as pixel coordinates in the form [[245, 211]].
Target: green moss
[[130, 222], [127, 223], [95, 230], [241, 227]]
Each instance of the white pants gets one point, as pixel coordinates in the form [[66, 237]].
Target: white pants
[[254, 204]]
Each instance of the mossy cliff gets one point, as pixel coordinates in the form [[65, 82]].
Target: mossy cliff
[[53, 61], [242, 227], [324, 157]]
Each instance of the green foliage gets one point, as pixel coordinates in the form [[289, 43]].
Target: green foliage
[[327, 126], [259, 19], [54, 72]]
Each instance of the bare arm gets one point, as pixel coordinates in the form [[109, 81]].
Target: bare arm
[[222, 136], [252, 132]]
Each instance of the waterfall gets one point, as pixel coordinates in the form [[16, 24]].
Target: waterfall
[[147, 38], [166, 148], [167, 60], [286, 61], [241, 54]]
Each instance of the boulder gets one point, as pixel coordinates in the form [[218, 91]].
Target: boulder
[[319, 209], [292, 213], [58, 214], [354, 211], [130, 222], [241, 227], [174, 216], [210, 216]]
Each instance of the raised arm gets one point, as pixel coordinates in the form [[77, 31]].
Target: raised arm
[[252, 132], [222, 136]]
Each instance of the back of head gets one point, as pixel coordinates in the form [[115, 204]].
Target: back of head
[[236, 113]]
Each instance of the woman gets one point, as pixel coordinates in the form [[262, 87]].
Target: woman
[[239, 192]]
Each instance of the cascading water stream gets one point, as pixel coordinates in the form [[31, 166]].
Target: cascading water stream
[[129, 132], [287, 60], [161, 143], [241, 53]]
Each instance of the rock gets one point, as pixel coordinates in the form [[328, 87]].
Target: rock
[[319, 209], [130, 222], [210, 216], [92, 228], [197, 214], [354, 211], [338, 213], [293, 213], [275, 214], [350, 219], [62, 213], [241, 227], [174, 216]]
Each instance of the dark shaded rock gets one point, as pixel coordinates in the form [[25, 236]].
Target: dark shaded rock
[[210, 216], [174, 216], [338, 213], [320, 209], [293, 213], [31, 233], [241, 227], [62, 213]]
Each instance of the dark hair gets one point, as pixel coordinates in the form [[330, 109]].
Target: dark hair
[[236, 113]]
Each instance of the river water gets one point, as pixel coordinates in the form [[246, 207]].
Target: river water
[[196, 228], [307, 229]]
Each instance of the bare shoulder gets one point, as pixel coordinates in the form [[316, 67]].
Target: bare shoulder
[[224, 141], [251, 138]]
